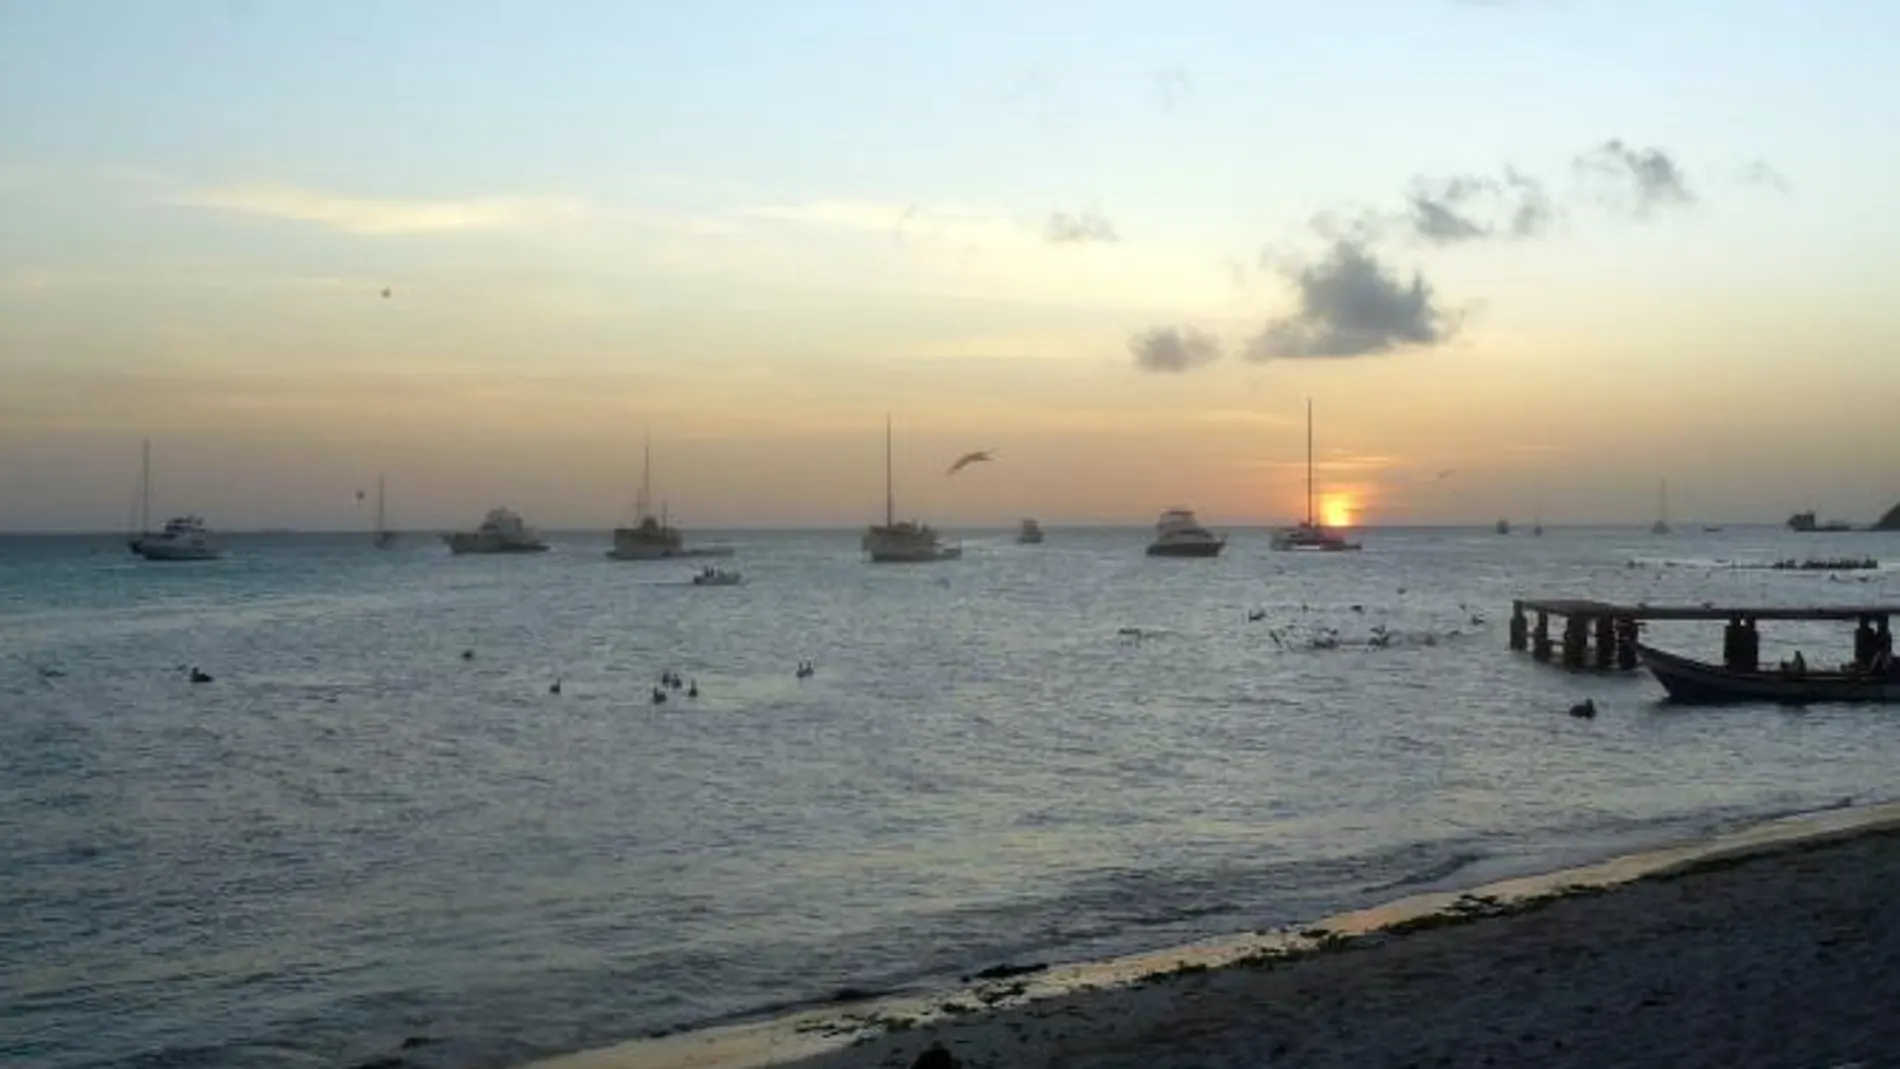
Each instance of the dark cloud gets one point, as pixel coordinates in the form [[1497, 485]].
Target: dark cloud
[[1761, 173], [1350, 304], [1065, 229], [1648, 178], [1174, 349], [1448, 211]]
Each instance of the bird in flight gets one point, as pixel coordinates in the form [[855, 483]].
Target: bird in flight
[[385, 293], [968, 459]]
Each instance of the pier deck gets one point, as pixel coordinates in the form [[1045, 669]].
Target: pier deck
[[1603, 633]]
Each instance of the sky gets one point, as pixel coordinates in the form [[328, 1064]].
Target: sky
[[1523, 256]]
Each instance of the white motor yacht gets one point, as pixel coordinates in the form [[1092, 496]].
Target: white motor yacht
[[1179, 534]]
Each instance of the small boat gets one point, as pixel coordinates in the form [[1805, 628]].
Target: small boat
[[182, 538], [1309, 536], [906, 541], [711, 576], [1503, 526], [501, 531], [1179, 534], [1697, 682], [652, 538], [1806, 523], [1030, 533]]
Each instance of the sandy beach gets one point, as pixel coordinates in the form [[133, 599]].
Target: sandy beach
[[1774, 946], [1788, 959]]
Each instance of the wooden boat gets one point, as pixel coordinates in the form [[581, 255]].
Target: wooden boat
[[1697, 682]]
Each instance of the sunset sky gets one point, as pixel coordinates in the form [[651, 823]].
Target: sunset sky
[[1571, 247]]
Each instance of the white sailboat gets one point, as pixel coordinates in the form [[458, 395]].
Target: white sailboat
[[905, 542], [182, 538], [1310, 536]]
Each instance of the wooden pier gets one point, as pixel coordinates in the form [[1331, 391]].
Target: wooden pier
[[1602, 635]]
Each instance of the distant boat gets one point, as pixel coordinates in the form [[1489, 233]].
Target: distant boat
[[384, 537], [1030, 533], [1661, 526], [1697, 682], [1179, 534], [906, 542], [1503, 526], [653, 538], [1309, 536], [501, 531], [711, 576], [1537, 523], [182, 538], [1805, 523]]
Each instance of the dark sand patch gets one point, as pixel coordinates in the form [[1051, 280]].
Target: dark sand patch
[[1786, 959]]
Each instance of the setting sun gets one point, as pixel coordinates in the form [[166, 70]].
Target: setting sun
[[1336, 510]]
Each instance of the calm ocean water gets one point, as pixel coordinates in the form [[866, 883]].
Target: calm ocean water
[[355, 836]]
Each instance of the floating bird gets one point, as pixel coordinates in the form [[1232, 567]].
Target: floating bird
[[968, 459], [805, 670], [659, 696], [1585, 709], [692, 689], [198, 676], [1256, 615], [468, 655], [555, 687]]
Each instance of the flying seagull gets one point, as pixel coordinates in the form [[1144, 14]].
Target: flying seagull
[[968, 459], [385, 293]]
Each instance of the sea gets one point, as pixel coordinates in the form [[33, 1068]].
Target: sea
[[377, 825]]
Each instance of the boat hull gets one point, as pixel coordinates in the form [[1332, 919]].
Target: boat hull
[[1185, 549], [159, 549], [1317, 547], [1692, 682], [915, 556], [465, 545], [668, 553]]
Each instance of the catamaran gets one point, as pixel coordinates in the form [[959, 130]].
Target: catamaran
[[902, 542], [1310, 535], [182, 537]]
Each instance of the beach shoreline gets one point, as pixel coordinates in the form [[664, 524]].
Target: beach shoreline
[[1061, 1014]]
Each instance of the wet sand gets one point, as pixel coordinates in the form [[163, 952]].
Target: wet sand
[[1774, 945], [1786, 959]]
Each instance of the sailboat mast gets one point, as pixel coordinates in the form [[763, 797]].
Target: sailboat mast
[[379, 506], [1309, 462], [646, 479], [890, 508]]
